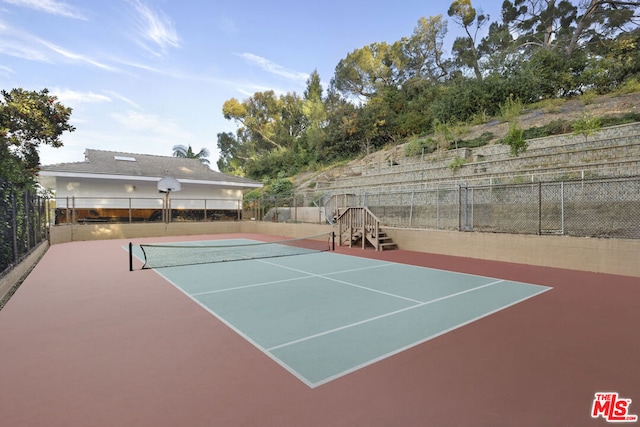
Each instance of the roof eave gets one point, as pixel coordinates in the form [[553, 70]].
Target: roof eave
[[62, 174]]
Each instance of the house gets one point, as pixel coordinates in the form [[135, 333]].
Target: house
[[123, 187]]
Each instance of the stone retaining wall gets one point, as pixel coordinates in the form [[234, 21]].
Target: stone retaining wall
[[612, 151]]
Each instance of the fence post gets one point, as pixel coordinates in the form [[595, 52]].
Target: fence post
[[411, 210], [28, 219], [14, 226], [562, 207], [539, 208], [459, 210], [463, 207], [438, 207], [472, 206]]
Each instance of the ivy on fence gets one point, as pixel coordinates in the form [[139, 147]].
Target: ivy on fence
[[22, 224]]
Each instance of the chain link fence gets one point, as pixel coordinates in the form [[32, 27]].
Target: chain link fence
[[23, 224], [588, 208], [288, 208]]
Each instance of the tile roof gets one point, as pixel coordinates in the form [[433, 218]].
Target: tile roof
[[102, 162]]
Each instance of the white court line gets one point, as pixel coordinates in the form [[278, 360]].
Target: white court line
[[425, 339], [324, 276], [251, 286], [391, 313], [250, 340], [275, 282]]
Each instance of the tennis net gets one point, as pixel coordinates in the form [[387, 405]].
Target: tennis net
[[172, 255]]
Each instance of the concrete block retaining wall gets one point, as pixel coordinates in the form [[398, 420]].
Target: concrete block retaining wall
[[613, 256]]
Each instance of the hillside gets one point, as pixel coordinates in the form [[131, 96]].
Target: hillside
[[569, 110]]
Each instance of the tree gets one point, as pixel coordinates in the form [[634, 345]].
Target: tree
[[561, 25], [464, 14], [28, 119], [601, 20], [232, 154], [540, 23], [315, 113], [258, 115], [586, 126], [366, 70], [186, 152], [423, 52]]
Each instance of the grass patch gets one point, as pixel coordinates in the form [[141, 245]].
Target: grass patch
[[550, 106], [511, 108], [630, 86]]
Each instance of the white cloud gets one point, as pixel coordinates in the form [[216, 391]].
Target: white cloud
[[156, 27], [75, 56], [18, 44], [124, 99], [6, 70], [67, 96], [52, 7], [24, 45], [274, 68]]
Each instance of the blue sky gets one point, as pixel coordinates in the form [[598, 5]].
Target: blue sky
[[145, 75]]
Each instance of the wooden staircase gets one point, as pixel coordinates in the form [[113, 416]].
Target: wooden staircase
[[358, 225]]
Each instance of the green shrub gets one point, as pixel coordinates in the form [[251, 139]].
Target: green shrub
[[620, 120], [418, 146], [511, 108], [456, 163], [586, 126], [588, 97], [479, 141], [515, 139], [555, 127]]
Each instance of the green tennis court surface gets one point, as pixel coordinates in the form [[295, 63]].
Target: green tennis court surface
[[323, 315]]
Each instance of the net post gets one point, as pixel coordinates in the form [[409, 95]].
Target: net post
[[333, 241], [130, 256]]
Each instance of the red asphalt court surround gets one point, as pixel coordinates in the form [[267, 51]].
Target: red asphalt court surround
[[85, 342]]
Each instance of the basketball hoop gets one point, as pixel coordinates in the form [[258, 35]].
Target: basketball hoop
[[166, 185]]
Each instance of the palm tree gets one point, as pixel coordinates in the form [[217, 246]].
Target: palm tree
[[188, 153]]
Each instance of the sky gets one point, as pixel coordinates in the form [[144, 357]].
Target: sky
[[145, 75]]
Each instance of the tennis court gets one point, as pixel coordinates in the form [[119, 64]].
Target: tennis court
[[345, 338], [321, 315]]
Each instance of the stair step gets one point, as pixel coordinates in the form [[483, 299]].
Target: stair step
[[366, 233]]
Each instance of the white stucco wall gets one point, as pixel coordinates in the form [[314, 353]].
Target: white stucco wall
[[141, 193]]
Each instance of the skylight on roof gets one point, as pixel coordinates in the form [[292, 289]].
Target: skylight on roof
[[125, 158]]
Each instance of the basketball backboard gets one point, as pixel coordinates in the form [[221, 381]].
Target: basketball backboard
[[168, 184]]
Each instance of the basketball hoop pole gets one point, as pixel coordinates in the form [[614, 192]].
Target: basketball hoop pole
[[167, 214]]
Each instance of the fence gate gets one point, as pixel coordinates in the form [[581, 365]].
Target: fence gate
[[551, 208]]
